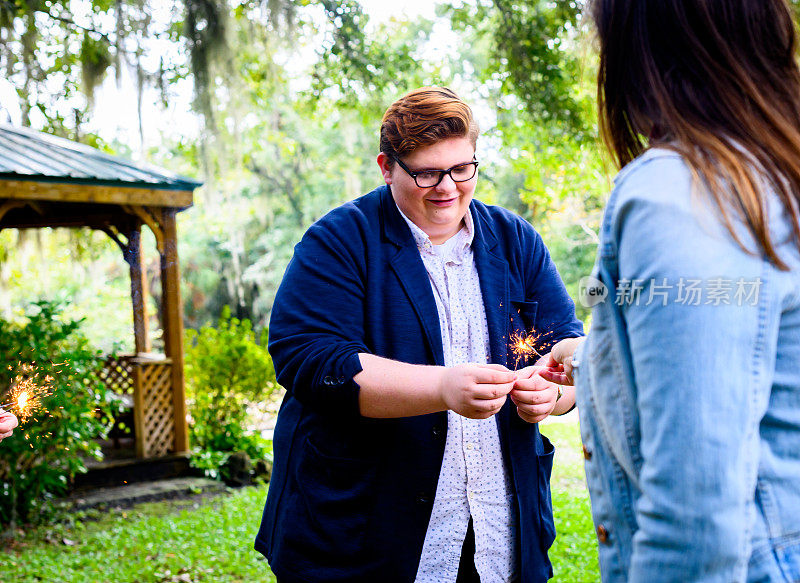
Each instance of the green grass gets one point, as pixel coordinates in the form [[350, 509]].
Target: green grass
[[210, 540], [574, 553]]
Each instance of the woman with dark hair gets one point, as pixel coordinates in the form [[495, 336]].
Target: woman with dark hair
[[398, 455], [689, 382]]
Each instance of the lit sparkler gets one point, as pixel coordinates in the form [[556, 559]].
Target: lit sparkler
[[525, 345], [27, 391]]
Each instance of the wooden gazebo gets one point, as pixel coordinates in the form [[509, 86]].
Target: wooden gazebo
[[47, 181]]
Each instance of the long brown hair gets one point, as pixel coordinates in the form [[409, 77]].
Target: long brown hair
[[716, 80]]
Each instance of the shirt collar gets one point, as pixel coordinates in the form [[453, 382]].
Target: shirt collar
[[465, 236]]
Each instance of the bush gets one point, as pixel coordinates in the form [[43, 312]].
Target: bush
[[228, 368], [39, 460]]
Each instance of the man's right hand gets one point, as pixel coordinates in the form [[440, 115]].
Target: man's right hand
[[477, 391]]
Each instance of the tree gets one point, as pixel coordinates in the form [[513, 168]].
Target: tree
[[283, 141], [57, 52]]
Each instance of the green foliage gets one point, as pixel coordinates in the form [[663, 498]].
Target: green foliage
[[298, 88], [207, 540], [534, 60], [205, 30], [366, 71], [81, 270], [95, 58], [39, 460], [573, 250], [228, 369], [531, 55], [574, 552]]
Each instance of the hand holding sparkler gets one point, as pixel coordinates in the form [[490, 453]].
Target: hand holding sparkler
[[26, 393], [476, 391], [537, 397], [560, 364], [7, 424]]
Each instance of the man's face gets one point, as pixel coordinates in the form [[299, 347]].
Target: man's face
[[437, 210]]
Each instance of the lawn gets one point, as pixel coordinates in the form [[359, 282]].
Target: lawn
[[210, 540], [574, 554], [194, 541]]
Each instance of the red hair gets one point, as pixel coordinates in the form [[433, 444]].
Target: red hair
[[423, 117]]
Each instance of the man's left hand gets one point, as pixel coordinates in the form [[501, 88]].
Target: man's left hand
[[534, 396]]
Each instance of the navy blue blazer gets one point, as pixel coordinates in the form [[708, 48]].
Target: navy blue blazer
[[351, 497]]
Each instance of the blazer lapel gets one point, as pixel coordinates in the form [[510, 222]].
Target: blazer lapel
[[494, 276], [408, 266], [493, 273]]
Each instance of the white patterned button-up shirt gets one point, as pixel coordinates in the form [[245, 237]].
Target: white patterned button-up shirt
[[473, 480]]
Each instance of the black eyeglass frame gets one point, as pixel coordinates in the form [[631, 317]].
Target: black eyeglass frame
[[444, 173]]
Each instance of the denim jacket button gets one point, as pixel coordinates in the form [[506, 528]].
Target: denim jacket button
[[587, 454], [602, 534]]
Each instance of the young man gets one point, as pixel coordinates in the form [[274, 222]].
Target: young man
[[398, 455]]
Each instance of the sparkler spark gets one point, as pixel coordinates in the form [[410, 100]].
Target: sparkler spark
[[525, 345], [28, 388], [522, 345]]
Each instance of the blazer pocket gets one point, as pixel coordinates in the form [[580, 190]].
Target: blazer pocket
[[337, 496], [525, 313]]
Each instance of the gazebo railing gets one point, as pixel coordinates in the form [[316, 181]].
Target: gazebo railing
[[144, 381]]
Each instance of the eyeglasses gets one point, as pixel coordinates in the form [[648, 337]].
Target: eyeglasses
[[431, 178]]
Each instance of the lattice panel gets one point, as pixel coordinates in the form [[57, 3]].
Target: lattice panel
[[159, 413], [117, 374]]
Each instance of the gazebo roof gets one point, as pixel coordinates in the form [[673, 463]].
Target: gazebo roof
[[46, 181], [26, 154]]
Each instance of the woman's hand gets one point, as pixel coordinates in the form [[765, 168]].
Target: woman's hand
[[534, 396], [7, 424], [558, 368], [477, 391]]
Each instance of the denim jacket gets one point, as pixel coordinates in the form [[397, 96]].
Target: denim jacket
[[689, 389]]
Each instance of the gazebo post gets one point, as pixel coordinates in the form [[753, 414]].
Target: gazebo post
[[173, 325], [47, 181], [138, 289]]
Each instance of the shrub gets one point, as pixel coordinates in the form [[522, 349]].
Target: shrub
[[39, 460], [228, 369]]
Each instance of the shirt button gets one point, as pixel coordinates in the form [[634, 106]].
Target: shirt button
[[602, 534], [469, 446], [587, 454]]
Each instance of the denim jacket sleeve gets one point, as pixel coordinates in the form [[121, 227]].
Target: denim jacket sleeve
[[700, 370]]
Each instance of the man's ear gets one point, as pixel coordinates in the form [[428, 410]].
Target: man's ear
[[385, 164]]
